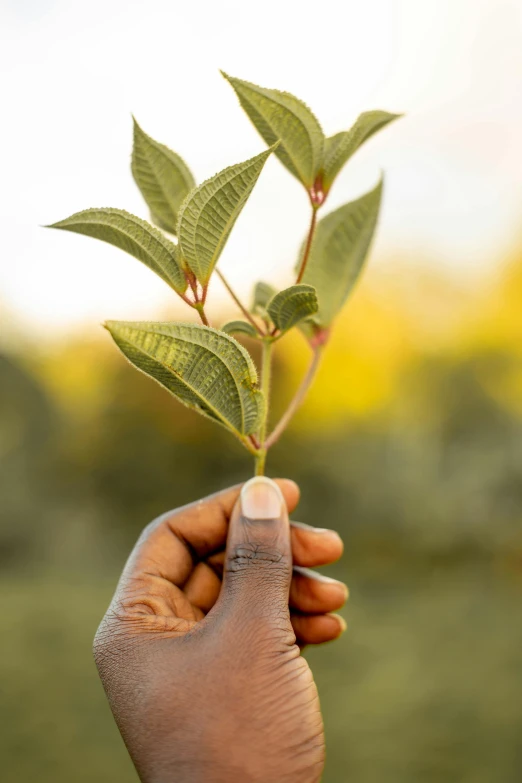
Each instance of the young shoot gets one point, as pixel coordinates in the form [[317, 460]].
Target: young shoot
[[204, 367]]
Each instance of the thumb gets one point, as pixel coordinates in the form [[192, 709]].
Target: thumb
[[258, 561]]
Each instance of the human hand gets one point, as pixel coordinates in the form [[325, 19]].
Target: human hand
[[198, 653]]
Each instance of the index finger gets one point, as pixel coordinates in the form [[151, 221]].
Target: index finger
[[171, 545]]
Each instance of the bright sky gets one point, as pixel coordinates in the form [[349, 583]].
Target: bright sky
[[73, 72]]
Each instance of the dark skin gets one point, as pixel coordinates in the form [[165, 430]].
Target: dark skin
[[199, 652]]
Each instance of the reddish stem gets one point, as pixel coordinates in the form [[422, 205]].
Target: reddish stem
[[187, 300], [238, 302], [201, 310], [296, 401], [311, 231], [254, 441]]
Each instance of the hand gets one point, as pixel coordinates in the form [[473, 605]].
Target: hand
[[198, 653]]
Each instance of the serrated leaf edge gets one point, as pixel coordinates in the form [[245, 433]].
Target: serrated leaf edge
[[378, 188], [190, 195], [303, 288], [251, 366], [243, 327], [329, 180], [166, 152], [157, 234], [317, 164]]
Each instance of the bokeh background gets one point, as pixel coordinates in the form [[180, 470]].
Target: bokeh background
[[410, 443]]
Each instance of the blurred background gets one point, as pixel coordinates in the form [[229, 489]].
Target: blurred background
[[410, 443]]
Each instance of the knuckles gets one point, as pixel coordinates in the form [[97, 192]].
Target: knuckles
[[253, 555]]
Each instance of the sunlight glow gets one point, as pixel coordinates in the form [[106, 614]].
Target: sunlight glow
[[453, 168]]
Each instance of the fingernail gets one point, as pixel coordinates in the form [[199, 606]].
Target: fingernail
[[261, 498], [335, 582], [323, 578], [318, 530], [341, 621]]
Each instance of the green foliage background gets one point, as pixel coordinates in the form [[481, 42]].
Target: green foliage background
[[425, 487]]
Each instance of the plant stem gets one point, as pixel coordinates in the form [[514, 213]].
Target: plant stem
[[252, 439], [311, 231], [249, 446], [238, 301], [266, 369], [199, 306], [260, 463], [296, 401], [191, 279]]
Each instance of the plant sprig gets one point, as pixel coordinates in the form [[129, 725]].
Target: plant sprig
[[205, 368]]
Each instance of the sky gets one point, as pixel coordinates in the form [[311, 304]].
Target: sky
[[72, 74]]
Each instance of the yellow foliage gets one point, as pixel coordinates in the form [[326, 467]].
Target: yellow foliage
[[367, 350], [398, 317], [393, 322], [78, 373]]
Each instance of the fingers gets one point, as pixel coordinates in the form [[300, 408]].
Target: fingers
[[203, 525], [314, 546], [202, 587], [258, 559], [312, 599], [313, 593], [311, 547], [317, 629], [171, 545], [310, 592]]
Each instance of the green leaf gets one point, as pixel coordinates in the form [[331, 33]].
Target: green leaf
[[280, 115], [209, 212], [263, 293], [206, 370], [339, 148], [339, 249], [133, 235], [163, 178], [239, 327], [292, 305]]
